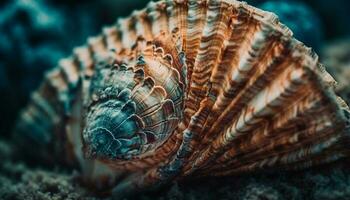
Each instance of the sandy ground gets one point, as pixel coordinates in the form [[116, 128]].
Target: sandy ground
[[19, 181]]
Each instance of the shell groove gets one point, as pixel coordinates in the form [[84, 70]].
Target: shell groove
[[189, 88]]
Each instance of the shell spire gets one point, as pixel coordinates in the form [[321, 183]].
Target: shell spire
[[189, 88]]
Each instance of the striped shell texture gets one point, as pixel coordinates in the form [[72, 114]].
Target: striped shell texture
[[187, 88]]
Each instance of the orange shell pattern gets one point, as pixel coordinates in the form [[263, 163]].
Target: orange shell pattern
[[208, 87]]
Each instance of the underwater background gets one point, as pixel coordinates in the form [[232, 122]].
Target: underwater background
[[35, 34]]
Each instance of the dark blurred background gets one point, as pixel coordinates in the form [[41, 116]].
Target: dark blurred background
[[35, 34]]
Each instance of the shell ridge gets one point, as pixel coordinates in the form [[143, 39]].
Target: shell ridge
[[189, 87]]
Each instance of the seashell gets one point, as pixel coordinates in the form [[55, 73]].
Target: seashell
[[187, 88]]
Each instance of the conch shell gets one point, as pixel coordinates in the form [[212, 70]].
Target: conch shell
[[188, 88]]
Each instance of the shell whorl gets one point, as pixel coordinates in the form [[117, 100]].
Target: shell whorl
[[191, 87], [133, 109]]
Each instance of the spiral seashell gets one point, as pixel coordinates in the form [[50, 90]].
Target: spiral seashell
[[187, 88]]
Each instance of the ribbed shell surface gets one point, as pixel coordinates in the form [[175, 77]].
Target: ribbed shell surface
[[210, 87]]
